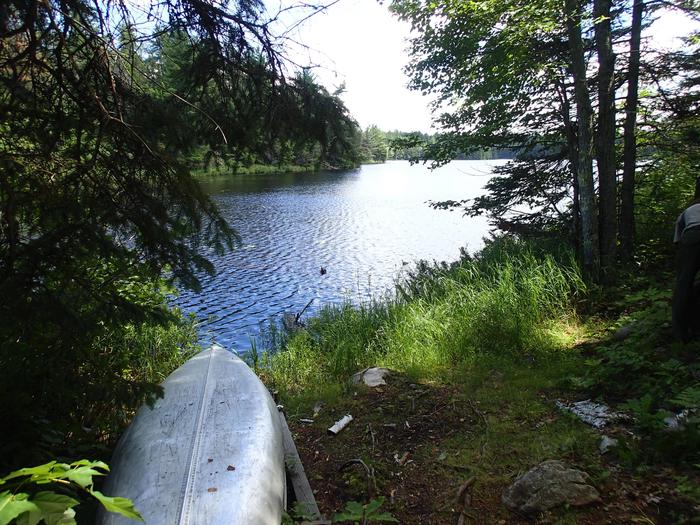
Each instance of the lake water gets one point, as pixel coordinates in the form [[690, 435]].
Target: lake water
[[362, 226]]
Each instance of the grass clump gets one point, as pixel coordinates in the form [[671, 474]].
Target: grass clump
[[133, 359], [500, 303], [505, 301]]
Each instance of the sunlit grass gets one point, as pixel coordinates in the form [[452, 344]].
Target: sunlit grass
[[507, 302]]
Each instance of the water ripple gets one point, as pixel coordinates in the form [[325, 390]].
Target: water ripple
[[360, 226]]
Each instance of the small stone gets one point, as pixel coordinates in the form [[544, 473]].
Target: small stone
[[371, 377], [623, 332], [548, 485], [606, 443]]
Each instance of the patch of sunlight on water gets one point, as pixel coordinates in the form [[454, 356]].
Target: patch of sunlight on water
[[362, 226]]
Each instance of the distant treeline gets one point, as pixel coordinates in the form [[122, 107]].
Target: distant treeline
[[379, 146]]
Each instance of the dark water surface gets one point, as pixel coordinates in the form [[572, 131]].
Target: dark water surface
[[363, 226]]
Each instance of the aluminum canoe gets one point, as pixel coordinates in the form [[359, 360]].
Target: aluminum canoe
[[210, 452]]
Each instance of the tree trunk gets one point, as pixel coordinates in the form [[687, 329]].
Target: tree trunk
[[627, 229], [572, 146], [605, 139], [584, 169]]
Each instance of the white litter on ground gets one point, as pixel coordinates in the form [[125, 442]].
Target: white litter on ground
[[598, 415], [371, 377], [678, 421], [606, 443]]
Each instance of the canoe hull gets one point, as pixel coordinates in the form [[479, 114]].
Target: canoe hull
[[209, 452]]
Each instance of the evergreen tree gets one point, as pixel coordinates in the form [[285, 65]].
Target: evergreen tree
[[374, 147], [98, 209]]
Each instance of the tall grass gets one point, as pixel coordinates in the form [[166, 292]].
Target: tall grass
[[501, 302]]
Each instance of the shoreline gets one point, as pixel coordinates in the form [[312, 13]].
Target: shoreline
[[477, 402]]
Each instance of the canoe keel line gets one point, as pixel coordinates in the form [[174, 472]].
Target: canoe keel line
[[211, 452], [194, 459]]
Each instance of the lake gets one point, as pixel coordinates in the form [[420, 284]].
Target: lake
[[363, 227]]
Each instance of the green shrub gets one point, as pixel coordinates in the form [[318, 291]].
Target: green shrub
[[653, 378], [71, 404], [48, 493]]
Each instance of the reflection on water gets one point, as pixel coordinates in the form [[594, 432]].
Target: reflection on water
[[361, 226]]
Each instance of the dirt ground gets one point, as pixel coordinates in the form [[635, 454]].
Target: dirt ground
[[405, 444]]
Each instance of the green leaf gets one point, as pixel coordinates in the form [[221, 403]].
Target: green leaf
[[122, 506], [68, 518], [371, 513], [342, 516], [29, 518], [54, 509], [12, 505], [83, 476], [94, 464], [50, 501], [373, 505], [355, 507], [40, 472], [353, 511]]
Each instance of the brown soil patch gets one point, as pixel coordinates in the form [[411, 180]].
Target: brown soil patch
[[401, 446], [397, 432]]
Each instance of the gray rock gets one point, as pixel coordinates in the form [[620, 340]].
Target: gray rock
[[371, 376], [623, 332], [549, 485], [606, 443]]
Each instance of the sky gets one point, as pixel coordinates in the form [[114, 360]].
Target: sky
[[360, 43]]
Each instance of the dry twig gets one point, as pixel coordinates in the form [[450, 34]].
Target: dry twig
[[371, 481], [464, 499], [486, 426], [370, 431]]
